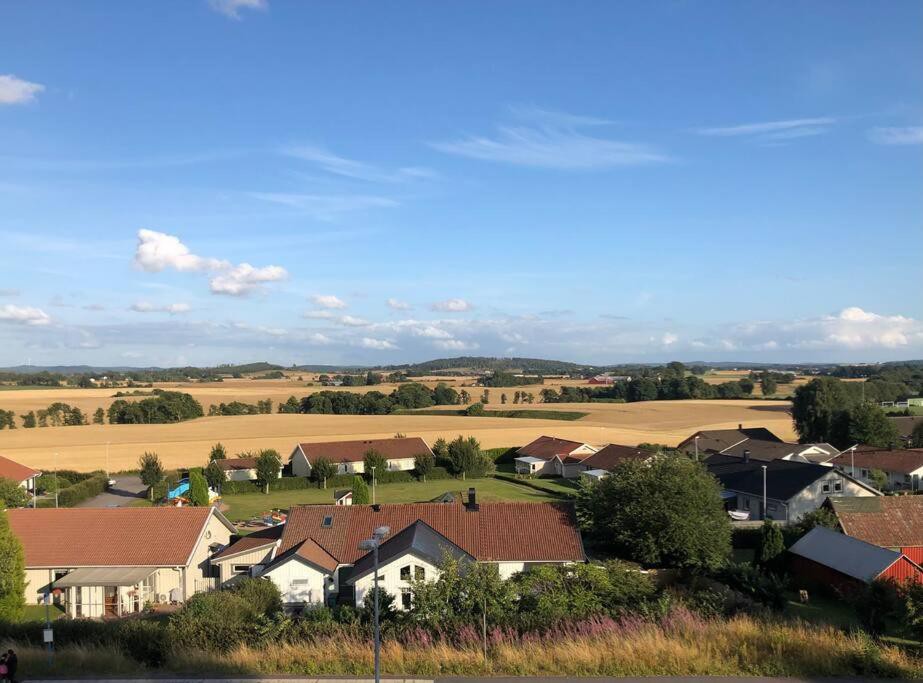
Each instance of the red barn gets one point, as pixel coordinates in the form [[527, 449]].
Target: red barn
[[844, 563], [894, 522]]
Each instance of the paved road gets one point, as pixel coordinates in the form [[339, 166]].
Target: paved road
[[128, 487]]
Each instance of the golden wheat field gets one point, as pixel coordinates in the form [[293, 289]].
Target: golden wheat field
[[188, 443]]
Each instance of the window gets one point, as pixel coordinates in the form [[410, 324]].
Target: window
[[328, 522], [240, 568], [405, 573], [825, 487], [419, 573], [837, 485], [405, 598]]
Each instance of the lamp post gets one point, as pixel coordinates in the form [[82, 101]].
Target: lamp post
[[764, 491], [107, 459], [373, 544], [696, 440], [56, 480]]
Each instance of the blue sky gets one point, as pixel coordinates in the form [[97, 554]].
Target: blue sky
[[328, 182]]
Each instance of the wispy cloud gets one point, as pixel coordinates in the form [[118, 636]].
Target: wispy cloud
[[325, 207], [158, 251], [377, 344], [452, 306], [358, 170], [785, 129], [327, 301], [907, 135], [15, 90], [552, 140], [232, 8], [172, 309], [23, 315], [398, 305]]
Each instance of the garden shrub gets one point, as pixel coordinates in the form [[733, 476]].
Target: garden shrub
[[219, 621], [262, 595]]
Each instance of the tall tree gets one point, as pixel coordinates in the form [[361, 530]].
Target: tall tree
[[12, 573], [768, 384], [423, 464], [360, 492], [198, 488], [374, 463], [28, 420], [770, 545], [322, 470], [820, 411], [869, 425], [214, 475], [268, 466], [99, 416], [152, 472], [664, 513], [218, 452]]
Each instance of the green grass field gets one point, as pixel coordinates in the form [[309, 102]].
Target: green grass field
[[243, 506], [37, 613], [898, 412]]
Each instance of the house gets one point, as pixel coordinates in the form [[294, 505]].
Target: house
[[716, 440], [603, 461], [240, 469], [903, 467], [102, 562], [554, 457], [343, 497], [348, 456], [905, 426], [843, 563], [792, 488], [894, 522], [22, 475], [318, 559], [758, 449], [246, 555]]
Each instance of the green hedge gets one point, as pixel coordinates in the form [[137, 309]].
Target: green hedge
[[439, 473], [395, 477], [83, 490], [534, 485], [502, 455]]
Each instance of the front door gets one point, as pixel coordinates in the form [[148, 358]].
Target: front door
[[112, 601]]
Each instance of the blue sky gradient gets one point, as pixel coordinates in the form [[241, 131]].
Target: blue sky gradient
[[599, 182]]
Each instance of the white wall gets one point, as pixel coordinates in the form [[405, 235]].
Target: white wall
[[241, 475], [389, 577], [299, 582], [254, 557]]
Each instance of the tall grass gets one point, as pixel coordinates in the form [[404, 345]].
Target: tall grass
[[679, 644]]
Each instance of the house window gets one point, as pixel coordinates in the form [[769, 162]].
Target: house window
[[865, 474], [405, 573], [825, 487], [328, 522], [405, 598], [419, 573], [838, 485], [240, 568]]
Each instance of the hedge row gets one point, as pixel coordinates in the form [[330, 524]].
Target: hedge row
[[502, 455], [77, 493], [533, 485]]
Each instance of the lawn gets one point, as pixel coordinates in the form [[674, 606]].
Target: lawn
[[246, 505], [37, 613]]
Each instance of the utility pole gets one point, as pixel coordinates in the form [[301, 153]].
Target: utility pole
[[696, 440], [372, 544], [56, 480], [107, 460], [764, 491], [373, 484]]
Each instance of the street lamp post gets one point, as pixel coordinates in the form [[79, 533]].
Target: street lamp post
[[107, 459], [56, 480], [696, 440], [373, 544], [764, 491], [373, 484]]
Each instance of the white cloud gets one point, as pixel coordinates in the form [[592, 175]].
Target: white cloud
[[908, 135], [328, 301], [318, 338], [172, 309], [158, 251], [455, 345], [350, 168], [14, 90], [24, 315], [452, 306], [397, 305], [232, 8], [552, 140], [669, 339], [377, 344], [351, 321], [774, 129], [431, 332]]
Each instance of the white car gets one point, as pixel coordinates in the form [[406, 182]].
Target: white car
[[111, 483]]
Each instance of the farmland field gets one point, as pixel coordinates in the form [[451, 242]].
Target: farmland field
[[188, 443]]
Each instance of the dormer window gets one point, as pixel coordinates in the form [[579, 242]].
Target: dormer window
[[328, 522]]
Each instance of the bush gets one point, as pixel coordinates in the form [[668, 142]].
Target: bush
[[219, 620], [81, 491], [438, 473], [262, 595], [501, 456], [142, 639], [764, 587], [393, 477]]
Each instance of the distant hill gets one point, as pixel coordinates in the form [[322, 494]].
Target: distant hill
[[532, 366]]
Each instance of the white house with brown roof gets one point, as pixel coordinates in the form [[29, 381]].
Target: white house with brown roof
[[106, 562], [22, 475], [551, 456], [348, 456], [903, 467], [318, 559], [239, 469]]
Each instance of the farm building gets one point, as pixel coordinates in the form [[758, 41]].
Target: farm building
[[111, 561], [894, 522], [843, 563], [793, 489], [318, 559], [22, 475], [902, 467], [348, 456], [551, 456]]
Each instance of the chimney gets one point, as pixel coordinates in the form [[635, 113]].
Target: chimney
[[746, 456], [377, 507], [740, 426], [472, 504]]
